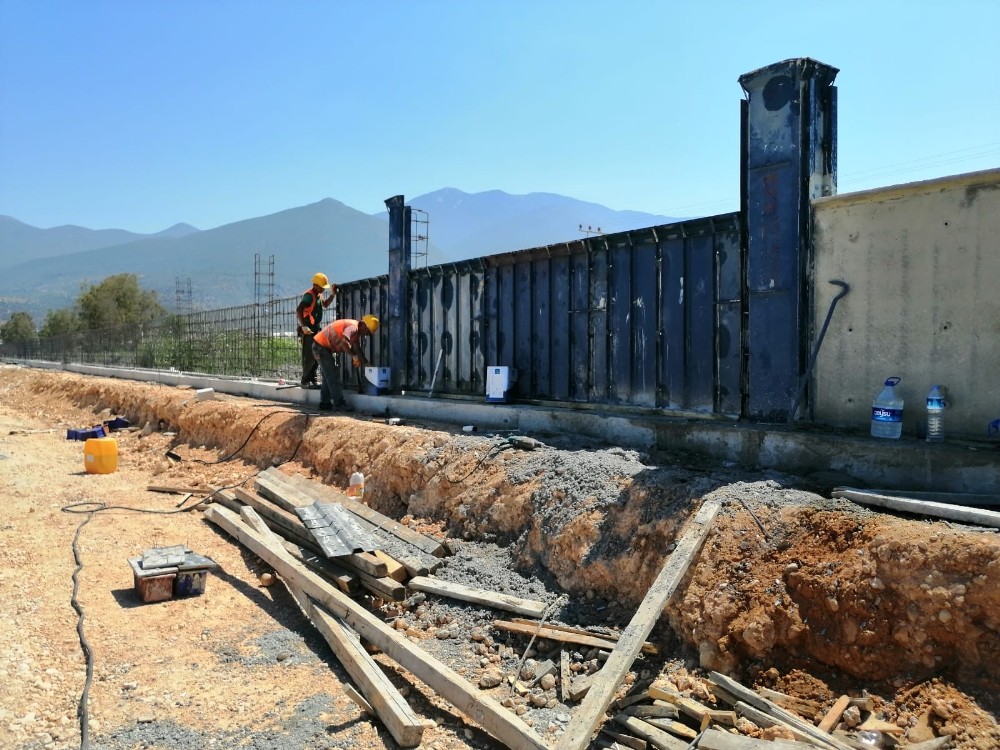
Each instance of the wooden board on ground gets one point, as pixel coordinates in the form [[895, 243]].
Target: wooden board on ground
[[564, 636], [581, 727], [495, 599], [716, 739], [647, 647], [381, 696], [327, 493], [485, 711], [653, 735]]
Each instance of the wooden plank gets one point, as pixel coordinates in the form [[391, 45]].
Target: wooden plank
[[581, 685], [653, 735], [344, 580], [178, 490], [416, 561], [488, 713], [636, 743], [581, 727], [360, 564], [801, 726], [696, 710], [326, 493], [674, 727], [383, 698], [359, 699], [763, 719], [802, 706], [564, 675], [647, 647], [716, 739], [833, 715], [493, 599], [393, 567], [989, 518], [563, 636]]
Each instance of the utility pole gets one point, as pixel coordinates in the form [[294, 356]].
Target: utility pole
[[589, 230]]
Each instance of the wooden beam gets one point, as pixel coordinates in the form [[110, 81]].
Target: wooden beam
[[564, 636], [716, 739], [278, 489], [581, 727], [647, 647], [833, 715], [178, 490], [393, 567], [493, 599], [488, 713], [801, 726], [564, 674], [653, 735], [325, 493], [922, 507], [383, 699]]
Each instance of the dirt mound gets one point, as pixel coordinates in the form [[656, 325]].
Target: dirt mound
[[810, 596]]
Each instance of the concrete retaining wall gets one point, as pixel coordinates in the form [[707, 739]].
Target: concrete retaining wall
[[923, 263]]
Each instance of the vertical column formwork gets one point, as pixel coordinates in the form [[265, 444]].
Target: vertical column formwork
[[789, 157], [399, 281]]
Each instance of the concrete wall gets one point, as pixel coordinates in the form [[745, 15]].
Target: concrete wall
[[923, 264]]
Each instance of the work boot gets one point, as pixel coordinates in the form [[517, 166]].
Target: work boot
[[342, 405], [326, 407]]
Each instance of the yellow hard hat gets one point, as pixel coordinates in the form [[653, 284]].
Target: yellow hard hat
[[371, 322], [320, 280]]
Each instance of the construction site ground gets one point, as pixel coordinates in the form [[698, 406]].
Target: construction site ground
[[810, 596]]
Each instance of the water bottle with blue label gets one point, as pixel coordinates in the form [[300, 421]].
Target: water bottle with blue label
[[887, 411], [935, 412]]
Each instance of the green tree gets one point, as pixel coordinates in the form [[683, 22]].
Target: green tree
[[20, 327], [117, 301], [59, 323]]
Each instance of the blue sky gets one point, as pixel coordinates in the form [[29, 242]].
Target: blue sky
[[139, 115]]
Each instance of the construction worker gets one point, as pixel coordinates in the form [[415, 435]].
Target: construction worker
[[339, 337], [309, 314]]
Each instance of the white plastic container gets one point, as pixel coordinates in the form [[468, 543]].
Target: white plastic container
[[887, 411], [356, 487], [935, 415]]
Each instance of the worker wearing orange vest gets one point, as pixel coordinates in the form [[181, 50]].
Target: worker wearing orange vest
[[309, 314], [339, 337]]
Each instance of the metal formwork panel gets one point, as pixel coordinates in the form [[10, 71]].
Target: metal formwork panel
[[645, 327], [701, 339], [541, 325], [673, 363], [560, 358], [619, 317], [599, 306], [580, 364]]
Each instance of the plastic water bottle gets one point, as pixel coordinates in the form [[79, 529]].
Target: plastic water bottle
[[887, 411], [356, 488], [935, 415]]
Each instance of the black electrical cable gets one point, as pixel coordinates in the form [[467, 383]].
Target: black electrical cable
[[91, 508], [491, 453], [231, 456]]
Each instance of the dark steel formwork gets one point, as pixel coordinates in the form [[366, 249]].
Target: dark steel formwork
[[648, 318]]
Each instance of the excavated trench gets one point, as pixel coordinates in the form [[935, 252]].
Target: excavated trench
[[788, 579]]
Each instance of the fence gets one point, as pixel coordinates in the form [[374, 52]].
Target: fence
[[648, 318]]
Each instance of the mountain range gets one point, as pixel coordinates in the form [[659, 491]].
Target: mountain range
[[46, 269]]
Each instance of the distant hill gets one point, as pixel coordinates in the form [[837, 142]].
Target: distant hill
[[45, 269], [463, 225], [19, 240]]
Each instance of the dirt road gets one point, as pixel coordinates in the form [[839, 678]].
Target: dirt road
[[810, 596]]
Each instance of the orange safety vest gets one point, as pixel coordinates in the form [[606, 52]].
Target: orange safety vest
[[307, 313], [337, 335]]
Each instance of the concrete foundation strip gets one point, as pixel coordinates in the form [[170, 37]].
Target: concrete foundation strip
[[485, 711], [581, 728]]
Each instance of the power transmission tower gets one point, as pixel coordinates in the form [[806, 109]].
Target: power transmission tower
[[589, 230]]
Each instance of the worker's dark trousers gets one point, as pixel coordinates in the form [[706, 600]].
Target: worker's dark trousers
[[331, 391], [309, 363]]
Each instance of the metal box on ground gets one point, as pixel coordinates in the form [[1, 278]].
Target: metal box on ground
[[155, 584], [498, 383], [170, 572], [378, 380]]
